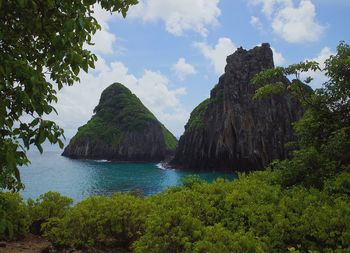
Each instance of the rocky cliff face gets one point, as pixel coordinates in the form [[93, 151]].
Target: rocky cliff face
[[230, 130], [122, 129]]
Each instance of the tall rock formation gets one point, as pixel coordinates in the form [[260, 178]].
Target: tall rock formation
[[122, 129], [230, 130]]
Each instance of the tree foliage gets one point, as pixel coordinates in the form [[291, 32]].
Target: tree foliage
[[42, 48], [14, 216], [251, 214], [323, 145]]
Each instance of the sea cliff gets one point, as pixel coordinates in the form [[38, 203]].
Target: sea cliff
[[230, 130]]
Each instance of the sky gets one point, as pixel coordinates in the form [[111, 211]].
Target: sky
[[171, 53]]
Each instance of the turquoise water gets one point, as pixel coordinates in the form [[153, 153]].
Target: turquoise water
[[79, 179]]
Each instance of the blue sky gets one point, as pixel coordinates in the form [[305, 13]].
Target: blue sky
[[171, 53]]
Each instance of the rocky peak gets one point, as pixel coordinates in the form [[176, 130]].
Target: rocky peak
[[121, 129], [230, 130], [260, 57]]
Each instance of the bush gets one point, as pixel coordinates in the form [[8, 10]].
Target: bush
[[218, 239], [339, 185], [251, 214], [48, 205], [14, 216], [190, 180], [174, 230], [99, 221]]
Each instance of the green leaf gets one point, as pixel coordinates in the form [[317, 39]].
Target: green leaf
[[41, 136], [40, 148], [60, 143], [269, 90]]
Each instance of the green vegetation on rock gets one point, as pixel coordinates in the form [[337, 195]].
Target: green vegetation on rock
[[121, 128], [118, 111], [97, 130], [196, 120], [170, 140]]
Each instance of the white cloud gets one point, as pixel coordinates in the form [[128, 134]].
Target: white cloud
[[182, 69], [76, 103], [295, 24], [270, 6], [103, 39], [278, 58], [256, 23], [217, 54], [298, 24], [180, 15], [318, 76]]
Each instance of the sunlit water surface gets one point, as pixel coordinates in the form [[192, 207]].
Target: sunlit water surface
[[79, 179]]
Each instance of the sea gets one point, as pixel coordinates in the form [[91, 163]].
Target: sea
[[79, 179]]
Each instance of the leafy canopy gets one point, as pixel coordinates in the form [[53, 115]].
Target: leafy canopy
[[42, 48], [323, 146]]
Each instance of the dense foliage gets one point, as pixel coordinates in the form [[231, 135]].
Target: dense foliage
[[40, 41], [169, 138], [101, 221], [251, 214], [16, 216]]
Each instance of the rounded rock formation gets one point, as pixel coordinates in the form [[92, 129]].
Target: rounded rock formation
[[122, 129]]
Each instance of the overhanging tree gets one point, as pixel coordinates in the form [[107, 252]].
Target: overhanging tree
[[40, 40]]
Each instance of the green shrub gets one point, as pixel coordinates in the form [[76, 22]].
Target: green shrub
[[190, 180], [48, 205], [98, 221], [339, 185], [176, 221], [14, 216], [173, 230], [251, 214], [218, 239], [180, 219]]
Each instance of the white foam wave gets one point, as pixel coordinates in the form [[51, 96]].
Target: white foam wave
[[102, 161], [163, 166], [160, 166]]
